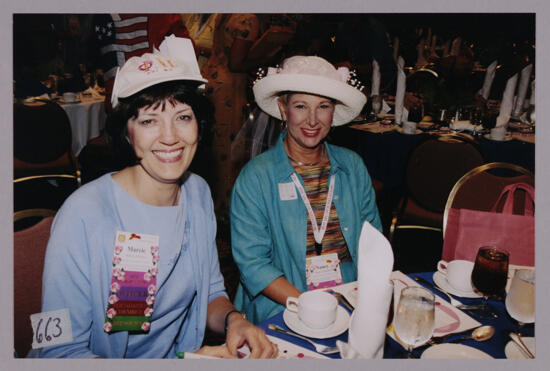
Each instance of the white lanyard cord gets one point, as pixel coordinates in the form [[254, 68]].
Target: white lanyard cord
[[317, 233]]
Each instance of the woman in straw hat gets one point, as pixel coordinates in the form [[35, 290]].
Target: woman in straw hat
[[304, 198], [132, 255]]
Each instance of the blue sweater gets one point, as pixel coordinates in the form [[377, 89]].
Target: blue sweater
[[78, 260], [268, 235]]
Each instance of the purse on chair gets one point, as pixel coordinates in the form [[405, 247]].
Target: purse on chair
[[467, 230]]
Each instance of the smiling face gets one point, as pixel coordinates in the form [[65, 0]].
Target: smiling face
[[308, 118], [165, 138]]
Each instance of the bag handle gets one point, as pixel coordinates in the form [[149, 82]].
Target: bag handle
[[508, 194]]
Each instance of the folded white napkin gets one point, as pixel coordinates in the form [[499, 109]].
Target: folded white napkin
[[400, 91], [367, 329], [446, 46], [455, 48], [395, 48], [385, 107], [489, 77], [420, 58], [375, 78], [464, 125], [522, 90], [508, 96]]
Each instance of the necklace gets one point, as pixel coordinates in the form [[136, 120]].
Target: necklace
[[300, 163]]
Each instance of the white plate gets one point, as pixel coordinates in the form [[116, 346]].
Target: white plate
[[441, 281], [453, 351], [505, 139], [339, 326], [417, 131], [512, 350], [61, 100]]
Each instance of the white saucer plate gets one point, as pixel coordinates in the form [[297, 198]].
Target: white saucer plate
[[339, 326], [512, 350], [453, 351], [441, 281], [505, 139], [417, 131], [63, 101]]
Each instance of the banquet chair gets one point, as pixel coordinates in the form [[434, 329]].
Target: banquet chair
[[29, 246], [433, 167], [46, 191], [480, 188], [42, 141]]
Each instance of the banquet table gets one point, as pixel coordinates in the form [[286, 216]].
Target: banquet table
[[494, 347], [386, 153], [87, 119]]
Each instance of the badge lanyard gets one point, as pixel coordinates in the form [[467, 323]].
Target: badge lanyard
[[317, 233]]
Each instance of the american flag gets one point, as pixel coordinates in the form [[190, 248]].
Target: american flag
[[122, 36]]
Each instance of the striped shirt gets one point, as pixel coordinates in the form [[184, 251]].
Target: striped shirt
[[316, 182]]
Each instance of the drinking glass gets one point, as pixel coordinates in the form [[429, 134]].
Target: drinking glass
[[414, 321], [520, 301], [490, 273]]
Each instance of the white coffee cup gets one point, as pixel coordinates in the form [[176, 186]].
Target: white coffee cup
[[316, 309], [69, 96], [409, 127], [498, 133], [458, 273]]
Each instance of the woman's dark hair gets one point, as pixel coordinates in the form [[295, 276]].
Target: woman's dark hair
[[128, 108]]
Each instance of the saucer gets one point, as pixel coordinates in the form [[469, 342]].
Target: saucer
[[339, 326], [505, 139], [61, 100], [512, 350], [441, 281], [453, 351], [400, 130]]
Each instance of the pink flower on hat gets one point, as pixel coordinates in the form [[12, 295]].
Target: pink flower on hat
[[146, 326], [107, 327]]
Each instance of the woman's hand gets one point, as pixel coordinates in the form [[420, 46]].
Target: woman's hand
[[241, 332], [220, 351]]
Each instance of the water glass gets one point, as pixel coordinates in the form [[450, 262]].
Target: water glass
[[414, 320], [520, 301]]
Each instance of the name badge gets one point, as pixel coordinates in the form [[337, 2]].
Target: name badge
[[50, 328], [287, 191], [133, 283], [323, 271]]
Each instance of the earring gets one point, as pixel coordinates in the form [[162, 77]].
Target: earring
[[283, 125]]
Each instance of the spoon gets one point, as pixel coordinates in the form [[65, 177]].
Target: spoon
[[481, 333]]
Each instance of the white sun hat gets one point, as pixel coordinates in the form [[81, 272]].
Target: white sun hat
[[313, 75], [175, 60]]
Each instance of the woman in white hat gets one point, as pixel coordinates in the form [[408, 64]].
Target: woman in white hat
[[132, 255], [304, 198]]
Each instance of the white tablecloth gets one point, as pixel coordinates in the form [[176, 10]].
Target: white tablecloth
[[87, 120]]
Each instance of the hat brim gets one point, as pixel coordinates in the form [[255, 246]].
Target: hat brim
[[134, 88], [350, 101]]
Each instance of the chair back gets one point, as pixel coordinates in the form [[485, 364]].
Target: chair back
[[47, 191], [29, 247], [435, 165], [480, 188], [42, 140]]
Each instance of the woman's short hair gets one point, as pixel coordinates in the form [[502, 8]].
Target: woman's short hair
[[128, 108]]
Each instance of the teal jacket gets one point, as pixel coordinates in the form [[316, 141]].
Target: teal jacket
[[268, 235]]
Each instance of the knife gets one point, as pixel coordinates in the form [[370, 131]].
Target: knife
[[429, 284]]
